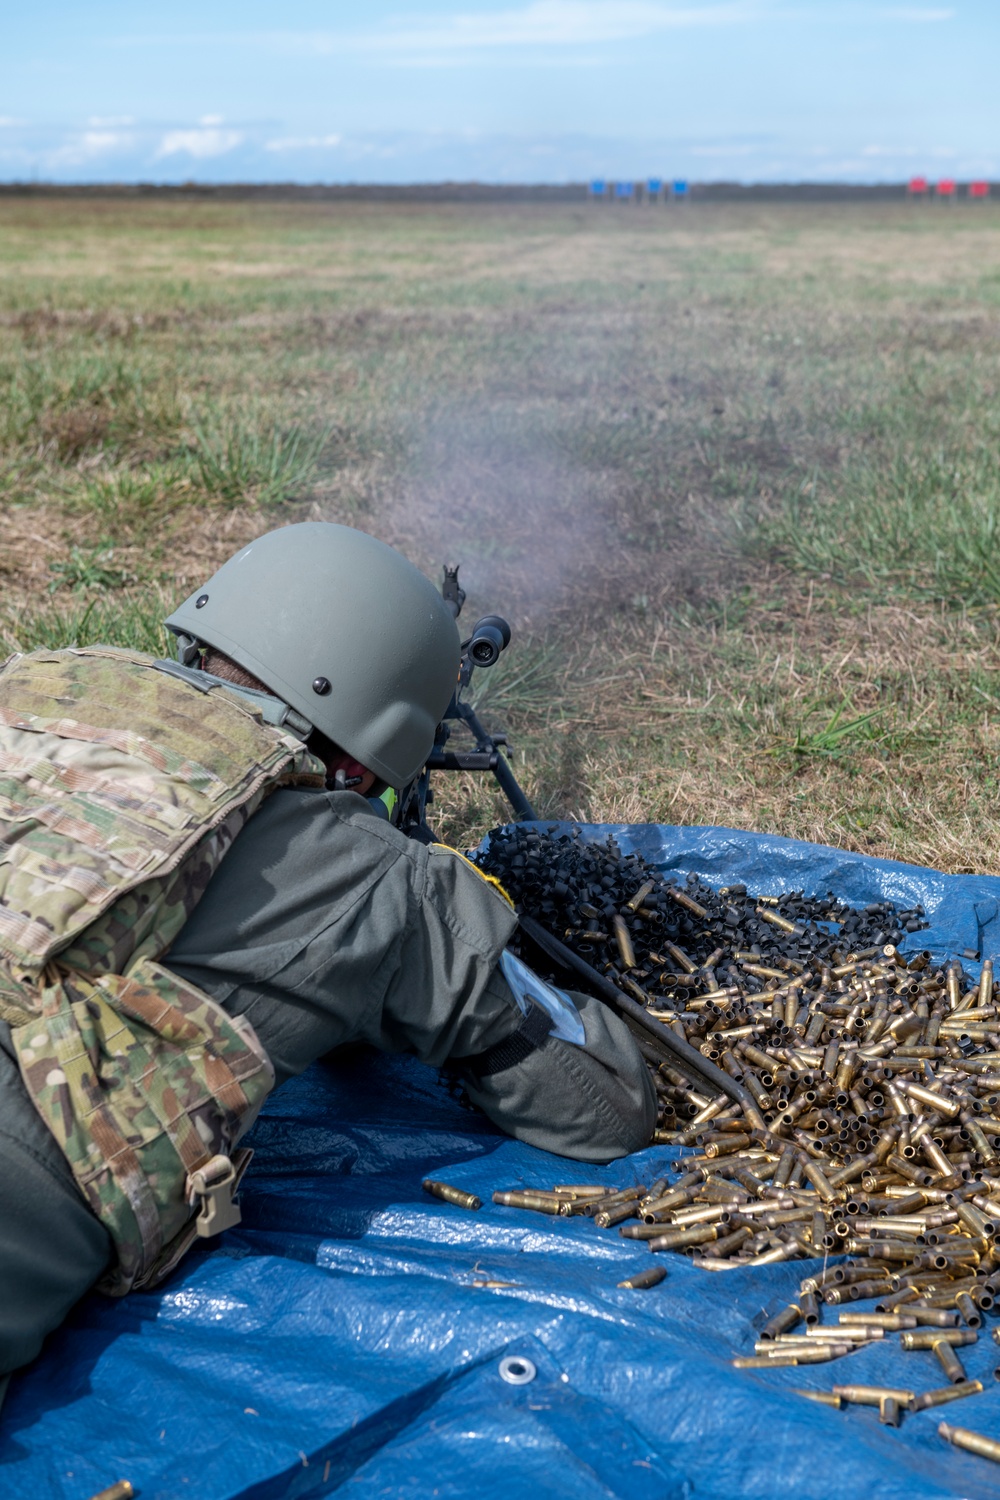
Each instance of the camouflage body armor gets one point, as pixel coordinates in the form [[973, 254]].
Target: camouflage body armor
[[121, 789]]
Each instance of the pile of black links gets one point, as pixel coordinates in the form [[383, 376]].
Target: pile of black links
[[678, 938]]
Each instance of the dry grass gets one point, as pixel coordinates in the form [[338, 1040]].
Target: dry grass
[[731, 471]]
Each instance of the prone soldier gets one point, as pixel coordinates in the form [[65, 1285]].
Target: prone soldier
[[202, 892]]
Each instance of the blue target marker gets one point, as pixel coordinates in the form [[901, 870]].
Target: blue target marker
[[654, 187], [624, 189], [680, 188], [597, 187]]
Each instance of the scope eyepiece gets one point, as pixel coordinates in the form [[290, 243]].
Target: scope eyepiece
[[489, 637]]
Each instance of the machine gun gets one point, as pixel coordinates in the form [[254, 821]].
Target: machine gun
[[490, 636]]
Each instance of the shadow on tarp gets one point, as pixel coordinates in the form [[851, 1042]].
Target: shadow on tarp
[[338, 1341]]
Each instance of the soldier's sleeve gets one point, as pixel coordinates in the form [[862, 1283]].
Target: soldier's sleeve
[[324, 925], [592, 1099]]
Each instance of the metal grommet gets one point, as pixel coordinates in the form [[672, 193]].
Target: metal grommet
[[517, 1370], [201, 601], [321, 685]]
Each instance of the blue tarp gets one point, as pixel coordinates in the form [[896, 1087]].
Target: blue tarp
[[338, 1341]]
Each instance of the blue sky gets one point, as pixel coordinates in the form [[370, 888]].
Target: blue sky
[[517, 91]]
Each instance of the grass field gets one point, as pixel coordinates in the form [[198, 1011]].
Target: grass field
[[733, 472]]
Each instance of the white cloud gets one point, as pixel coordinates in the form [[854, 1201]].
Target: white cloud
[[204, 141], [96, 141], [210, 120], [435, 37], [302, 142], [77, 150], [8, 121], [543, 23], [567, 23], [105, 122]]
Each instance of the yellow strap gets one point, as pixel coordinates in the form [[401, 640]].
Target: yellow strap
[[490, 879]]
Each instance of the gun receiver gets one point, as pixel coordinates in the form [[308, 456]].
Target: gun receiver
[[490, 637]]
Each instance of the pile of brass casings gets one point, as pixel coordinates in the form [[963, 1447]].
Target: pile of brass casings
[[874, 1132], [877, 1083]]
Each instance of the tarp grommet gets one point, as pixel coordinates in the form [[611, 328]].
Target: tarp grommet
[[517, 1370]]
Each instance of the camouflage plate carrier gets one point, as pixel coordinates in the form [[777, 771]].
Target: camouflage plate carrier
[[121, 789]]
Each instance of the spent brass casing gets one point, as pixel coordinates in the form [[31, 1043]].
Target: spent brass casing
[[592, 1206], [676, 1239], [891, 1322], [728, 1146], [782, 1321], [947, 1107], [945, 1393], [822, 1398], [758, 1090], [972, 1442], [608, 1217], [926, 1338], [623, 939], [932, 1151], [978, 1137], [782, 923], [872, 1395], [699, 1214], [968, 1310], [121, 1490], [818, 1230], [661, 1209], [973, 1219], [683, 899], [850, 1333], [643, 1280], [891, 1250], [853, 1170], [762, 1361], [640, 895], [907, 1169], [534, 1201], [449, 1194], [933, 1317], [900, 1298], [889, 1411], [761, 1059], [679, 956], [815, 1174], [819, 1353], [809, 1307], [949, 1361], [729, 1242], [678, 1198]]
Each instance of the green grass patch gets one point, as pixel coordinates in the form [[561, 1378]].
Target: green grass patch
[[132, 621]]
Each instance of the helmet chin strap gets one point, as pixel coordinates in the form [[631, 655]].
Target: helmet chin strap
[[188, 649], [272, 709]]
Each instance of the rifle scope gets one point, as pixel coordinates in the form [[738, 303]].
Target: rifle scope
[[489, 637]]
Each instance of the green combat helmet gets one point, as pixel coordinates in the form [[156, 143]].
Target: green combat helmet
[[343, 629]]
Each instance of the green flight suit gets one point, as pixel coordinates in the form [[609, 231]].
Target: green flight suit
[[323, 926]]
